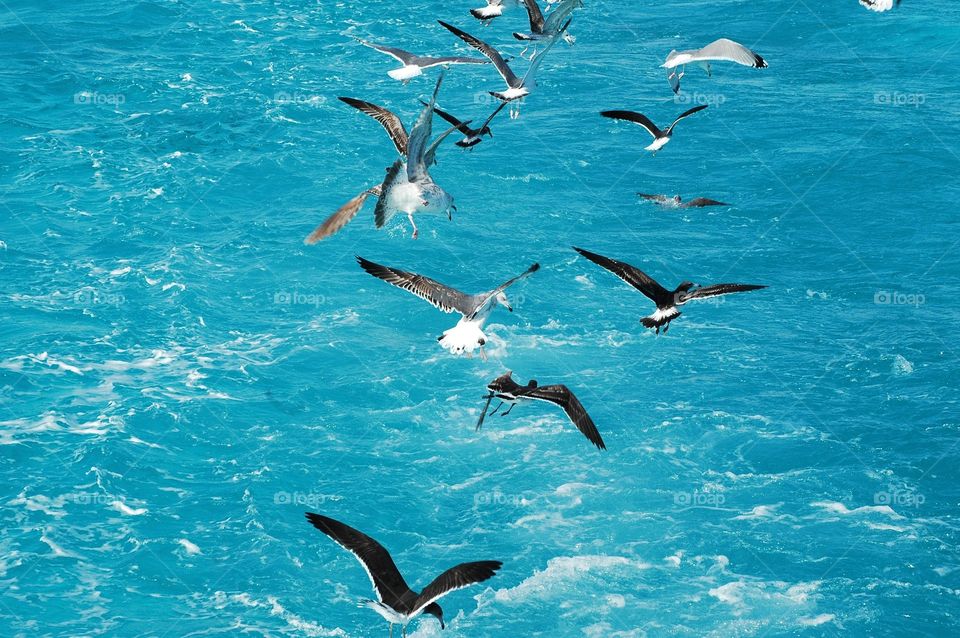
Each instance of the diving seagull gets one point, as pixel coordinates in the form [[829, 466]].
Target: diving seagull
[[506, 390], [666, 300], [550, 27], [468, 334], [472, 136], [396, 602], [677, 202], [719, 50], [413, 65], [879, 5], [517, 88], [660, 138], [398, 135]]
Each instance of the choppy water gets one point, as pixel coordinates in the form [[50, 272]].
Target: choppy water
[[182, 378]]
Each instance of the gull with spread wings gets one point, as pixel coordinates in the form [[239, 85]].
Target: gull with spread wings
[[722, 50], [396, 602], [660, 138], [666, 300], [413, 65], [677, 202], [468, 334]]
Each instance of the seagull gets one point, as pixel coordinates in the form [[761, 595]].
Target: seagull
[[485, 14], [879, 5], [413, 65], [396, 602], [666, 300], [509, 391], [676, 202], [660, 138], [468, 334], [550, 27], [472, 136], [719, 50], [517, 88]]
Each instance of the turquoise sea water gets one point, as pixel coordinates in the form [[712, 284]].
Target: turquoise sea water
[[181, 378]]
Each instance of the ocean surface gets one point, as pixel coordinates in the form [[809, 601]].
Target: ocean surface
[[181, 378]]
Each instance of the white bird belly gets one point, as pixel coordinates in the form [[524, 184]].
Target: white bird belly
[[405, 72], [405, 197], [658, 143], [463, 338]]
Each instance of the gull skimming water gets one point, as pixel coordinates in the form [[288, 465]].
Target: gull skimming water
[[506, 390], [677, 202], [666, 300], [660, 138], [722, 50], [396, 602], [879, 5], [468, 334]]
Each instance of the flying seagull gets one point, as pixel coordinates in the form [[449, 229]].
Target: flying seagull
[[719, 50], [396, 602], [485, 14], [468, 334], [517, 88], [509, 391], [676, 202], [660, 138], [879, 5], [398, 135], [473, 136], [666, 300], [413, 65], [550, 27]]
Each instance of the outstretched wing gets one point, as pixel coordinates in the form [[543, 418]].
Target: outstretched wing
[[404, 57], [700, 202], [537, 61], [463, 575], [535, 15], [718, 289], [633, 276], [730, 51], [420, 136], [452, 120], [488, 297], [558, 15], [562, 396], [390, 122], [341, 217], [443, 297], [384, 575], [426, 62], [687, 113], [508, 75], [660, 199], [636, 118]]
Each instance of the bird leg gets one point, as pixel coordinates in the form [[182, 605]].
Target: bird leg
[[512, 406], [494, 411], [483, 354], [391, 630], [414, 224]]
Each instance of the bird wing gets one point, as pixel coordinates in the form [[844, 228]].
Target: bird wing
[[660, 199], [386, 579], [718, 289], [390, 122], [562, 396], [535, 15], [537, 61], [420, 136], [633, 276], [505, 72], [686, 114], [490, 117], [426, 62], [382, 213], [430, 156], [404, 57], [878, 5], [443, 297], [463, 575], [700, 202], [452, 120], [730, 51], [558, 15], [485, 298], [341, 217], [636, 118]]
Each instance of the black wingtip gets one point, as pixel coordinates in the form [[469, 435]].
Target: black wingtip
[[534, 268]]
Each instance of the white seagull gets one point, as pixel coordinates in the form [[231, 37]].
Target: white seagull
[[396, 602], [719, 50], [879, 5], [493, 9], [433, 195], [550, 27], [660, 138], [517, 88], [468, 334], [666, 300], [413, 65]]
